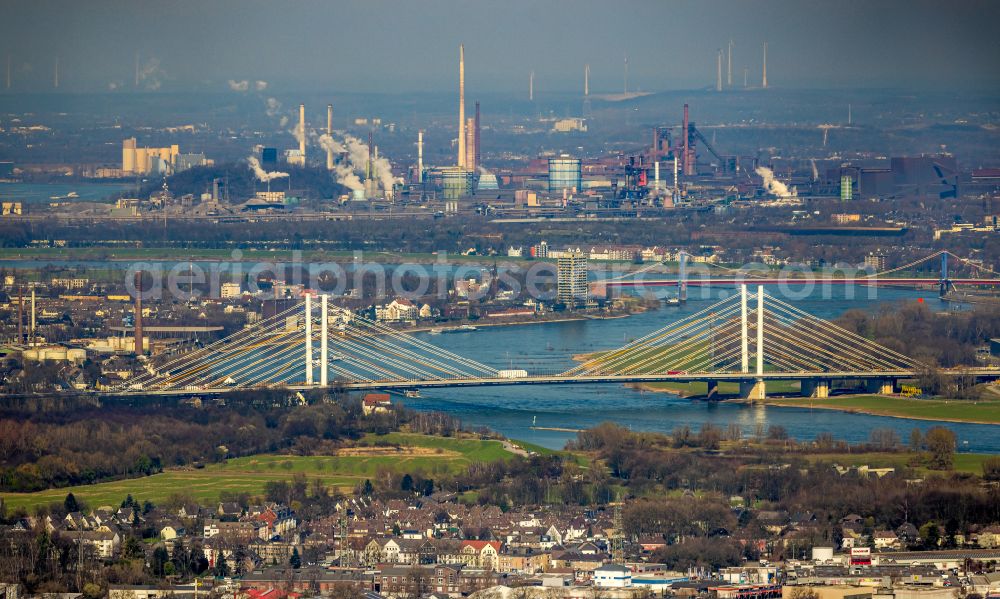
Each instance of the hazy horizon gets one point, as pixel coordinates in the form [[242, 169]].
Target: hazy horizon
[[403, 47]]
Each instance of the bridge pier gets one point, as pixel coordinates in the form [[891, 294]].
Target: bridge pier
[[712, 390], [880, 386], [753, 390], [818, 388]]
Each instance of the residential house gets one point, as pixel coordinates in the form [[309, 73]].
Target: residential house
[[446, 579], [481, 554], [171, 531], [375, 403], [886, 540], [523, 560], [397, 310], [103, 544], [989, 537]]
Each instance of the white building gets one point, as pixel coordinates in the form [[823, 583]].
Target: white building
[[103, 544], [397, 310], [230, 290], [612, 576]]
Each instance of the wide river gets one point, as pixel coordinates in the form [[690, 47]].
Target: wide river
[[550, 347]]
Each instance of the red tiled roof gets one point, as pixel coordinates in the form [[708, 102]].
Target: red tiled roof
[[478, 545], [372, 399]]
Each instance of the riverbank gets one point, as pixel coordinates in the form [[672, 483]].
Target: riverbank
[[939, 410], [455, 327], [200, 255]]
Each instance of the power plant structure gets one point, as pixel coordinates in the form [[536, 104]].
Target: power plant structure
[[763, 81], [461, 179], [299, 158], [461, 106], [729, 66], [718, 71], [472, 142]]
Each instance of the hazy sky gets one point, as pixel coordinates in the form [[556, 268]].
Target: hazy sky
[[410, 45]]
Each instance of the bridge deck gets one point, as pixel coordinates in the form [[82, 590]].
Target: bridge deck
[[981, 373], [704, 282]]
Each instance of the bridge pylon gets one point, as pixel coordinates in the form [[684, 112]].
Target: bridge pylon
[[750, 339], [815, 388], [944, 285]]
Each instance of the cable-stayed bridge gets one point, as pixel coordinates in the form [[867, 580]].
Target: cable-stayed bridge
[[945, 281], [751, 337]]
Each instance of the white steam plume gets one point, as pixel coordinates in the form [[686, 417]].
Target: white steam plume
[[357, 154], [151, 75], [260, 85], [261, 174], [273, 108], [345, 174], [774, 186], [239, 86], [357, 162], [329, 144]]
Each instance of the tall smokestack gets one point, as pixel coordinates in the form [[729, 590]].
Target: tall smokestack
[[461, 106], [626, 74], [137, 70], [32, 316], [55, 77], [329, 131], [763, 82], [476, 152], [729, 66], [302, 132], [370, 168], [420, 155], [138, 313], [586, 80], [676, 186], [531, 86], [718, 71], [8, 71], [685, 137]]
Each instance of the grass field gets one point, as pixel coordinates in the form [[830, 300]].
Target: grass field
[[699, 388], [954, 410], [202, 254], [964, 462], [430, 455]]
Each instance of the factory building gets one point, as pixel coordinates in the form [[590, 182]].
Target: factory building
[[456, 182], [157, 161], [269, 158], [565, 174], [145, 161], [906, 176]]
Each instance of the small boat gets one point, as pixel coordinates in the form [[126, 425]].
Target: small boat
[[672, 301], [69, 196], [412, 393], [465, 328], [434, 331]]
